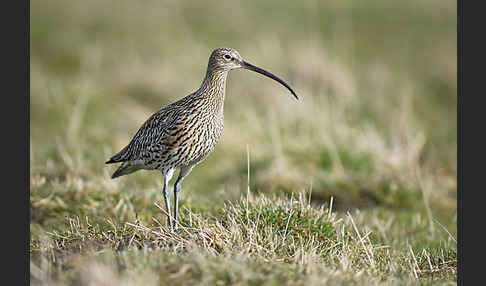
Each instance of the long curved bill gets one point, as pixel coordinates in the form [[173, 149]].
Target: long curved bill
[[251, 67]]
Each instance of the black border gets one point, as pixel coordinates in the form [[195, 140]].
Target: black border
[[459, 146], [15, 137], [470, 119], [25, 36], [27, 98]]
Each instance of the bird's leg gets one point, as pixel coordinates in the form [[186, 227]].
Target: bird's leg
[[177, 187], [167, 204], [165, 192]]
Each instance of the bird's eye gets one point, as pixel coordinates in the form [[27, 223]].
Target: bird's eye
[[227, 57]]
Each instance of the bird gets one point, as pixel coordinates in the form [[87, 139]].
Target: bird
[[183, 134]]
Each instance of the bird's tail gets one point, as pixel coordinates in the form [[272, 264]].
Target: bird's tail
[[125, 169], [119, 157]]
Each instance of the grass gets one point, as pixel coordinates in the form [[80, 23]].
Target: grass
[[355, 184], [257, 240]]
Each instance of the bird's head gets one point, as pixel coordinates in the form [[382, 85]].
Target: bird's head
[[226, 59]]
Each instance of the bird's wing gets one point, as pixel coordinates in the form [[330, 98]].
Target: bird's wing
[[153, 130]]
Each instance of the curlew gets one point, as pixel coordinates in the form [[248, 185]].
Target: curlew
[[182, 134]]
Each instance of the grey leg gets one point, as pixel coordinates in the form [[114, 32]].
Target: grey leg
[[177, 187], [165, 192]]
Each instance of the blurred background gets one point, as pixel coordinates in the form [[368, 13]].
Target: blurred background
[[375, 126]]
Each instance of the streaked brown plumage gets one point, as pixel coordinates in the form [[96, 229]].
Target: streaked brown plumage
[[184, 133]]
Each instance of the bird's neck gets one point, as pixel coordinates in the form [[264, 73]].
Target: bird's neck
[[213, 89]]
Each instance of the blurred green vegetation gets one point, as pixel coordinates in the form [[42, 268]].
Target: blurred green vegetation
[[377, 82]]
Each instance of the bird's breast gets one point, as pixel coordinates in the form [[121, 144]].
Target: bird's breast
[[194, 139]]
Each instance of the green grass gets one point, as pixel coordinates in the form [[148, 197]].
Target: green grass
[[374, 133]]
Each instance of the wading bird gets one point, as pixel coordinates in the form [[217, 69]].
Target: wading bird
[[182, 134]]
